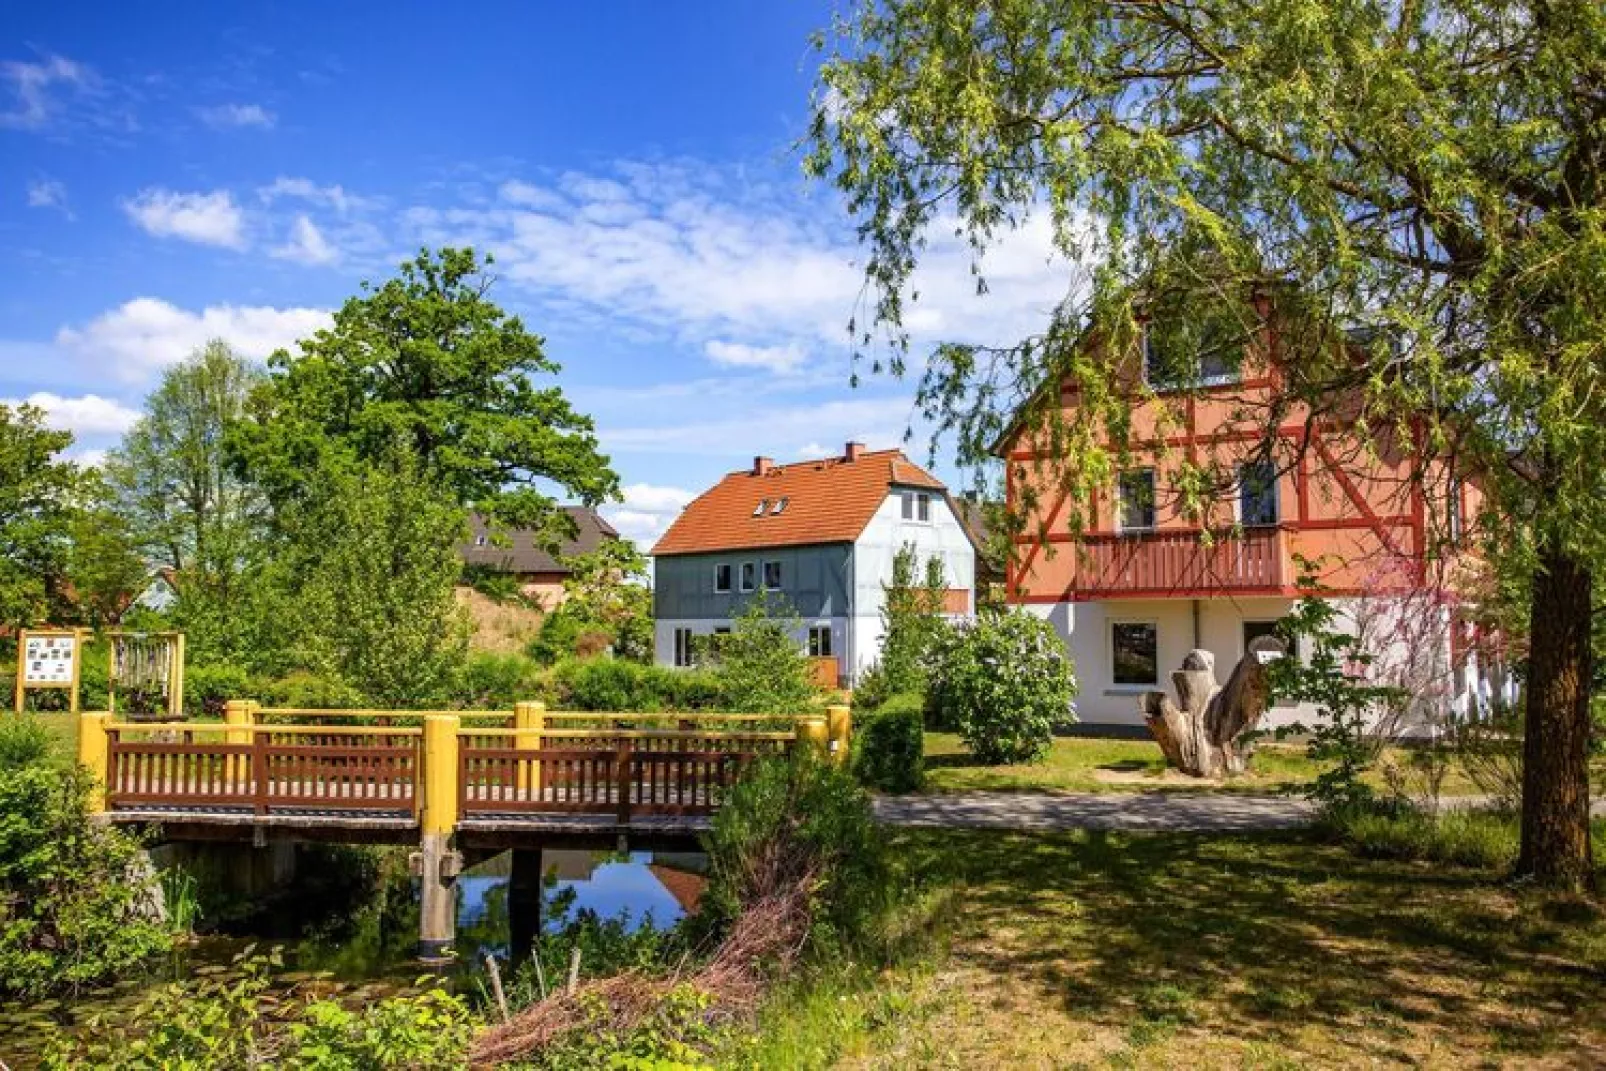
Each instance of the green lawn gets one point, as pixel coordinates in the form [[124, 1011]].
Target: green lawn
[[1172, 950], [1086, 764]]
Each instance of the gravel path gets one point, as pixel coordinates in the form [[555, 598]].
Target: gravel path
[[1141, 812], [1152, 812]]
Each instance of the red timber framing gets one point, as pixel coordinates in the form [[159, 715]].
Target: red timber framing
[[1156, 565]]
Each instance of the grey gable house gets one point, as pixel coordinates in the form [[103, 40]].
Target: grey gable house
[[822, 535], [540, 573]]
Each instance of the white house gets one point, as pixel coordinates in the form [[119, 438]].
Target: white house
[[821, 534]]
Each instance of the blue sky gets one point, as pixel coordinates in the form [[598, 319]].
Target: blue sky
[[179, 172]]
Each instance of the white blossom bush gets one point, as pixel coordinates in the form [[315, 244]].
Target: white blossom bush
[[1006, 682]]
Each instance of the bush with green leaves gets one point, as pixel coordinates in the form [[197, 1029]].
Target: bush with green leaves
[[1474, 838], [208, 687], [1005, 681], [799, 822], [761, 666], [233, 1020], [912, 621], [78, 906], [889, 744], [497, 681]]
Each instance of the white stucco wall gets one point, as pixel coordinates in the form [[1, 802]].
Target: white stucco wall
[[942, 536], [1085, 627]]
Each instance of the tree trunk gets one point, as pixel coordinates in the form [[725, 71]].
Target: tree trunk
[[1555, 774], [1201, 736]]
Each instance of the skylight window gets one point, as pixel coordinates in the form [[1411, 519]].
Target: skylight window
[[758, 511], [779, 506]]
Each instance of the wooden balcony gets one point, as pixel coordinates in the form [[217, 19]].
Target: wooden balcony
[[1180, 563]]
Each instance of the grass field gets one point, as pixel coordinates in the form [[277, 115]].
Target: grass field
[[1170, 950], [1086, 764]]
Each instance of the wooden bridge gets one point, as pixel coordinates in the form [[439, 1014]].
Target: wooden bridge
[[453, 781]]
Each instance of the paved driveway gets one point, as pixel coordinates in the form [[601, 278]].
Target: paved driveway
[[1151, 812]]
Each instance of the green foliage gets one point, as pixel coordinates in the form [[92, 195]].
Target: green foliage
[[1489, 749], [77, 910], [23, 742], [498, 585], [426, 363], [912, 623], [1330, 672], [799, 822], [889, 744], [181, 504], [1462, 837], [606, 592], [38, 497], [612, 684], [367, 574], [105, 571], [303, 690], [208, 687], [760, 666], [1005, 682], [672, 1038], [233, 1022], [499, 680]]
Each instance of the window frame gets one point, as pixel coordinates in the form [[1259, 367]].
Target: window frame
[[1271, 488], [1121, 524], [749, 577], [764, 575], [1154, 626], [1200, 382], [729, 578], [1244, 638], [923, 507], [684, 657], [818, 649]]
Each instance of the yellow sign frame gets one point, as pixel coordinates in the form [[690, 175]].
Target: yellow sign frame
[[24, 685]]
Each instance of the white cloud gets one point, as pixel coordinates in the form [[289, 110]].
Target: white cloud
[[647, 511], [48, 193], [33, 104], [876, 422], [145, 334], [306, 245], [207, 218], [89, 414], [229, 116], [304, 189], [87, 459], [779, 359]]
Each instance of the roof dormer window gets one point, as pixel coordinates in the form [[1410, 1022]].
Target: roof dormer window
[[758, 510], [779, 506]]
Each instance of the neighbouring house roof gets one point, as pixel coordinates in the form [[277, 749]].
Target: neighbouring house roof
[[830, 500], [973, 518], [519, 552]]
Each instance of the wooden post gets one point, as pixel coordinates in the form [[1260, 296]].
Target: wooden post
[[175, 679], [94, 752], [839, 730], [813, 734], [530, 720], [237, 715], [623, 779], [437, 918]]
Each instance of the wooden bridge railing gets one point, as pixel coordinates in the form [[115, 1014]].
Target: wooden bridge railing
[[437, 766]]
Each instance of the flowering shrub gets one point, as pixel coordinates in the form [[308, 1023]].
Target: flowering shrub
[[1005, 681]]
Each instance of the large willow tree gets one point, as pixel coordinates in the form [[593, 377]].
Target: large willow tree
[[1431, 168]]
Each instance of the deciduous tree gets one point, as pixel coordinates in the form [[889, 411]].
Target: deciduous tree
[[1433, 168], [39, 497]]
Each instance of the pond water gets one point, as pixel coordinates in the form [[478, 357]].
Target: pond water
[[359, 944]]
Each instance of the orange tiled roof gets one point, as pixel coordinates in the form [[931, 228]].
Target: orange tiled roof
[[827, 501]]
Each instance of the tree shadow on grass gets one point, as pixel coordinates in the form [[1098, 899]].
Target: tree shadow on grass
[[1267, 935]]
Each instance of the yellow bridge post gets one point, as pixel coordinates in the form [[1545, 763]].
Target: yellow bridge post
[[438, 863], [238, 716], [529, 719], [94, 752], [839, 730], [813, 734]]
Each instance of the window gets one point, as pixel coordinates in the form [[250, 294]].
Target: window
[[916, 507], [1136, 494], [772, 576], [1454, 527], [779, 506], [479, 541], [1134, 652], [683, 647], [1257, 494], [1199, 350], [749, 576], [763, 504], [722, 577], [1253, 630], [820, 641]]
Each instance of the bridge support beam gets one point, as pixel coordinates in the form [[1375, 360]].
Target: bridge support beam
[[438, 864], [524, 904], [839, 730]]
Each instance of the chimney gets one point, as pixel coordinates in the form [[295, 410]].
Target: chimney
[[853, 451], [762, 466]]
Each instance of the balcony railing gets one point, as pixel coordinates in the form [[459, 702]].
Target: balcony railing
[[1181, 562]]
